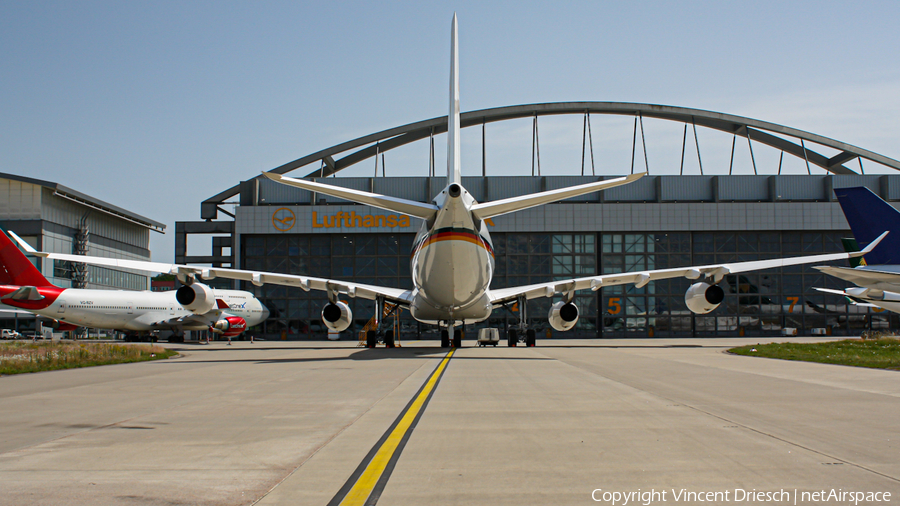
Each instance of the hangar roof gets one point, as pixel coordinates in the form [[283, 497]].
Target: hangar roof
[[764, 132], [88, 201]]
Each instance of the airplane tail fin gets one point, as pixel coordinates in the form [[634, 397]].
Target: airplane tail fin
[[869, 216], [453, 122], [15, 268]]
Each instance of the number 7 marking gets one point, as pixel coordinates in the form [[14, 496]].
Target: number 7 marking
[[794, 301]]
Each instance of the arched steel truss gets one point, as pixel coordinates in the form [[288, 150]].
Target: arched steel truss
[[759, 131]]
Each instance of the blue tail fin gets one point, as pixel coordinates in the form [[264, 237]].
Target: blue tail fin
[[869, 217]]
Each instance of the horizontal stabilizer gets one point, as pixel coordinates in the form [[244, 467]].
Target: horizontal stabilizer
[[397, 205], [24, 293], [496, 208]]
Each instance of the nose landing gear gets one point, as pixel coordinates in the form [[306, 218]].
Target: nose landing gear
[[445, 337]]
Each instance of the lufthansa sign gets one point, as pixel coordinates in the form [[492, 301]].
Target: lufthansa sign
[[353, 220]]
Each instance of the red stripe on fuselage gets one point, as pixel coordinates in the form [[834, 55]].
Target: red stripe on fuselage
[[456, 235]]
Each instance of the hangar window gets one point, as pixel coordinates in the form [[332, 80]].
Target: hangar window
[[612, 243]]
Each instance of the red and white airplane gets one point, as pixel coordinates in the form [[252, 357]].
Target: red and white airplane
[[194, 307], [453, 258]]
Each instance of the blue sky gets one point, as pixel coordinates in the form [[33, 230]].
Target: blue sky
[[155, 106]]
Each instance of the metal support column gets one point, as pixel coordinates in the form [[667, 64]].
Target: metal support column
[[431, 155], [752, 158], [633, 143], [535, 148], [644, 144], [731, 164], [805, 157], [376, 159], [697, 144], [483, 150]]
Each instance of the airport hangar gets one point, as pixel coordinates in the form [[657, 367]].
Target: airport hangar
[[54, 218], [660, 221]]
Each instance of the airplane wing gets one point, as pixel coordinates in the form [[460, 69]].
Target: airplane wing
[[258, 278], [641, 278], [862, 277], [498, 297]]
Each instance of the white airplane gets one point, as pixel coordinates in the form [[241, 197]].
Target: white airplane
[[453, 260], [194, 307], [878, 276]]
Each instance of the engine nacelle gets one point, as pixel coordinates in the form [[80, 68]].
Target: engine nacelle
[[701, 298], [196, 298], [230, 326], [563, 316], [337, 316]]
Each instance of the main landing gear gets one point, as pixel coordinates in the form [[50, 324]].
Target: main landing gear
[[381, 314], [521, 333], [514, 337], [372, 339]]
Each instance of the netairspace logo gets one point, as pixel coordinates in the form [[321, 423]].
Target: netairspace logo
[[739, 496]]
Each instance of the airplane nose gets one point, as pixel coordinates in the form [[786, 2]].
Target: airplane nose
[[265, 311]]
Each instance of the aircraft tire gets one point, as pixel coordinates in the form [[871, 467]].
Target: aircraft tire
[[371, 339], [512, 338], [457, 338], [389, 339], [530, 337], [445, 338]]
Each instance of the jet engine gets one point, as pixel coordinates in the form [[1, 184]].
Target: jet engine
[[337, 316], [563, 315], [230, 326], [196, 298], [701, 298]]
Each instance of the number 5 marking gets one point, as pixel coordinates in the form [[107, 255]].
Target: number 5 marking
[[614, 306]]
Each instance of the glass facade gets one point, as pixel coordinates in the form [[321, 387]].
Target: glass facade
[[103, 276], [759, 303]]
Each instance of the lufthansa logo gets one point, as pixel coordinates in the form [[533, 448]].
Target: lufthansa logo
[[283, 219]]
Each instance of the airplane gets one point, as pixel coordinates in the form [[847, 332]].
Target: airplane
[[452, 260], [195, 307], [877, 277]]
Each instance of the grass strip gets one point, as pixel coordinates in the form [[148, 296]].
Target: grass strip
[[22, 357], [883, 353]]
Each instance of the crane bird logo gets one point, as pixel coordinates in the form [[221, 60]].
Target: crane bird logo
[[283, 219]]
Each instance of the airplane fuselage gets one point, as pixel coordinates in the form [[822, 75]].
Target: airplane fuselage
[[132, 310], [452, 263]]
